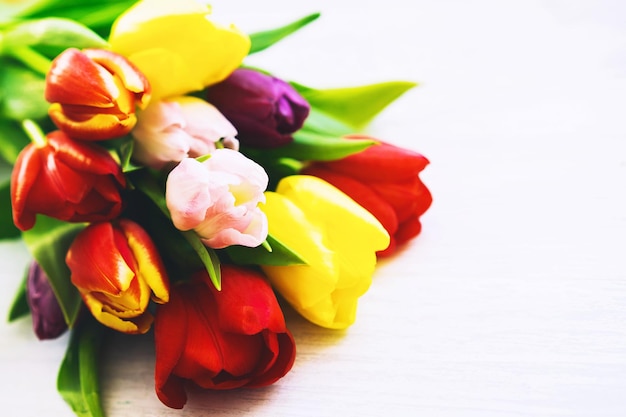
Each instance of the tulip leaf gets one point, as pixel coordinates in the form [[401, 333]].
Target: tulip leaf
[[48, 241], [311, 146], [149, 186], [354, 106], [19, 307], [7, 228], [78, 378], [319, 122], [265, 39], [279, 255], [22, 93], [53, 31], [98, 16], [207, 256], [12, 140]]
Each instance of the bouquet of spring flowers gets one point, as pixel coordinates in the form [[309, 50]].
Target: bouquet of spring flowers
[[162, 185]]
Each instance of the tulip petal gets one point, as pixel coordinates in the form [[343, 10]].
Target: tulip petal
[[319, 276], [284, 358], [93, 126], [76, 79], [170, 329], [409, 198], [96, 262], [327, 205], [186, 194], [245, 302], [382, 162], [361, 193], [150, 267], [132, 78], [137, 325], [172, 63], [349, 233]]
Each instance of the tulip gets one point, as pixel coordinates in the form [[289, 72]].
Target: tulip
[[384, 179], [337, 239], [173, 129], [265, 110], [65, 179], [48, 320], [117, 269], [177, 46], [94, 93], [219, 199], [220, 340]]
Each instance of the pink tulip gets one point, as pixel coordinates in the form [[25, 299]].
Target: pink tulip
[[219, 199], [173, 129]]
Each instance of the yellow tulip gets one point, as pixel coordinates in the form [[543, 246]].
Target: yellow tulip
[[176, 46], [336, 237]]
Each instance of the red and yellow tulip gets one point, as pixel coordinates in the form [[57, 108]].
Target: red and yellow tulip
[[117, 269], [94, 93]]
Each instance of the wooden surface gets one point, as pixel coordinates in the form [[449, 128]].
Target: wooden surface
[[513, 300]]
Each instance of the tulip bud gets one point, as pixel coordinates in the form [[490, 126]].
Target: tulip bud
[[48, 320], [225, 339], [336, 237], [265, 110], [219, 199], [116, 267], [384, 179], [94, 93], [177, 45], [173, 129], [69, 180]]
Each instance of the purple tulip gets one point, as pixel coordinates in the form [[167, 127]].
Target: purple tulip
[[265, 110], [48, 320]]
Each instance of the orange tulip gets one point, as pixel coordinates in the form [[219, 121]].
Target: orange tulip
[[94, 93], [116, 268]]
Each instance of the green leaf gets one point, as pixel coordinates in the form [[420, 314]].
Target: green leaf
[[49, 242], [280, 255], [55, 31], [98, 16], [354, 106], [149, 186], [265, 39], [181, 259], [19, 307], [12, 140], [7, 228], [22, 93], [207, 256], [319, 122], [310, 146], [78, 378]]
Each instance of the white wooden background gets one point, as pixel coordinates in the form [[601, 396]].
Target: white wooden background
[[513, 300]]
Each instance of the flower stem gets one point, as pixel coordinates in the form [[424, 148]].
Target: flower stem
[[31, 58], [34, 132]]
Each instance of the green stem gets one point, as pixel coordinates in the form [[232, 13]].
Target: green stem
[[31, 58], [34, 132]]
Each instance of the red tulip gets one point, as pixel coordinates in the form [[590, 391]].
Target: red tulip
[[65, 179], [94, 93], [117, 269], [384, 180], [220, 340]]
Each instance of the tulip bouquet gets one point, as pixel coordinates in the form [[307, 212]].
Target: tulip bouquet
[[162, 185]]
